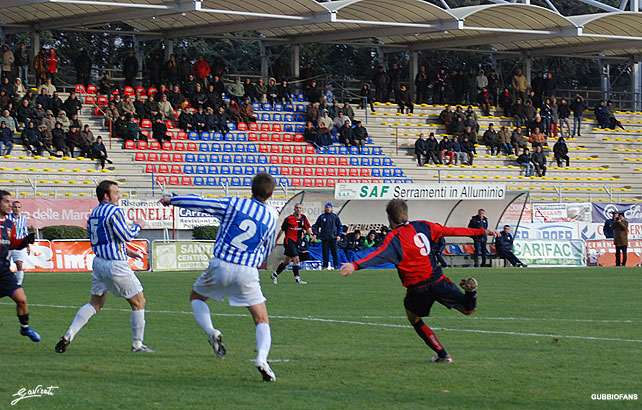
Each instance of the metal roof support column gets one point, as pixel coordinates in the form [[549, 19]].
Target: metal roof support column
[[35, 43], [636, 83], [265, 61], [414, 69], [605, 79], [138, 53], [295, 62], [381, 58], [634, 5], [169, 47], [528, 66], [3, 37]]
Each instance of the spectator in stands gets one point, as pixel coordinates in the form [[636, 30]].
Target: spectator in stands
[[519, 84], [519, 113], [459, 87], [140, 108], [198, 97], [310, 133], [526, 161], [72, 105], [563, 112], [52, 65], [421, 85], [74, 140], [459, 128], [312, 113], [348, 111], [546, 114], [49, 121], [9, 120], [578, 107], [281, 72], [133, 130], [305, 76], [421, 150], [340, 120], [200, 122], [7, 62], [40, 66], [25, 112], [380, 81], [261, 91], [447, 117], [126, 106], [120, 127], [64, 120], [249, 90], [186, 121], [504, 140], [19, 89], [247, 112], [82, 64], [469, 115], [354, 242], [4, 98], [159, 131], [219, 68], [234, 112], [328, 228], [366, 97], [460, 156], [491, 140], [6, 138], [471, 89], [56, 105], [59, 139], [43, 99], [176, 98], [620, 229], [130, 68], [481, 81], [99, 152], [334, 109], [170, 71], [404, 102], [434, 153], [165, 109], [479, 242], [550, 85], [152, 105], [87, 140], [22, 61], [446, 150], [154, 70], [325, 120], [106, 85], [345, 133], [539, 160], [183, 70], [506, 102], [554, 118], [602, 114], [189, 86], [211, 119], [29, 96], [324, 138], [439, 87], [31, 139], [111, 114], [201, 70], [213, 97], [504, 247], [314, 92], [222, 119], [236, 90], [272, 91], [47, 139], [360, 135], [38, 114], [283, 93], [537, 138], [468, 147], [484, 98], [7, 87], [613, 122], [560, 152], [75, 121]]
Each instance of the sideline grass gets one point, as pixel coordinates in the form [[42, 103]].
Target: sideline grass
[[542, 338]]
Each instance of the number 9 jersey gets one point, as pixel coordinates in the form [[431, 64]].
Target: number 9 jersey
[[247, 231]]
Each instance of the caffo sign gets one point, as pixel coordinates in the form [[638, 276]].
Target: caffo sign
[[420, 191]]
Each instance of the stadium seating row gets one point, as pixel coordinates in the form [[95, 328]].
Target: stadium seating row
[[274, 170], [263, 159], [247, 181]]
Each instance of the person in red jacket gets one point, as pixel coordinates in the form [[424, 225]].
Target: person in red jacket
[[52, 65], [201, 70], [411, 247]]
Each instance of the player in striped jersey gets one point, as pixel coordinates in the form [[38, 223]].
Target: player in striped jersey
[[19, 255], [245, 238], [8, 282], [109, 234]]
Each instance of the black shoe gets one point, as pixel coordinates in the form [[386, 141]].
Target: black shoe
[[61, 346], [109, 161]]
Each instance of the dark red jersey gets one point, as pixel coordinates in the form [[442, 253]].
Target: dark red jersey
[[410, 248], [294, 227], [7, 241]]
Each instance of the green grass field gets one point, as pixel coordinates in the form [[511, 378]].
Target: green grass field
[[541, 339]]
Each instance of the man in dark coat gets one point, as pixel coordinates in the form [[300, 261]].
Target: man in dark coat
[[479, 221], [620, 238], [421, 150], [560, 151], [328, 228], [130, 68], [504, 247]]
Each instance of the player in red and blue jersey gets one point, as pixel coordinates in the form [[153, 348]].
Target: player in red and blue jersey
[[8, 283], [410, 247], [294, 226]]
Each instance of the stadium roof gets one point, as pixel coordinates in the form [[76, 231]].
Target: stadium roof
[[408, 24]]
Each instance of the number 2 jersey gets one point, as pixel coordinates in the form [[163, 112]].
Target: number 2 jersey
[[247, 231], [410, 248], [8, 240]]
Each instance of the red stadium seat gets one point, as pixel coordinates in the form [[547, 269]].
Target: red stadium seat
[[285, 170], [171, 124], [152, 157], [192, 146], [92, 89], [140, 156], [179, 146], [277, 127], [286, 149], [318, 182], [173, 180], [152, 91], [286, 159], [275, 149], [331, 172], [141, 144], [298, 138], [177, 169], [161, 180], [288, 138], [342, 181], [342, 172], [309, 149], [264, 148], [343, 161], [331, 161], [98, 111], [297, 160], [320, 161], [146, 133], [308, 172], [307, 182], [130, 145], [90, 100], [164, 157], [296, 181], [177, 158], [181, 135], [298, 149], [172, 134], [155, 145], [167, 146], [274, 159], [150, 168], [242, 126], [163, 169], [146, 123], [80, 88], [265, 127], [276, 137], [142, 91], [129, 91], [252, 136], [264, 136], [353, 180], [254, 126], [297, 171], [102, 101], [309, 161], [186, 180], [364, 172], [330, 182], [319, 172], [353, 172]]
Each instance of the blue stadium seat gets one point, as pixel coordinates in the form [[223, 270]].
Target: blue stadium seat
[[239, 147], [398, 172], [300, 108], [277, 117], [274, 171], [288, 118], [408, 181], [204, 147], [231, 126], [387, 162], [226, 158], [387, 181], [288, 128], [321, 150], [214, 159], [228, 148], [366, 151], [267, 107], [212, 169], [278, 107], [261, 168], [190, 158], [398, 181], [201, 158], [217, 136], [211, 181], [284, 181], [237, 170], [289, 107], [241, 137], [236, 181], [256, 106], [251, 148], [263, 159], [375, 172], [266, 117], [247, 181], [354, 161], [365, 162], [216, 147], [199, 181], [332, 150], [249, 170], [387, 172], [193, 135], [376, 162], [299, 128], [354, 151], [299, 118], [238, 159], [225, 170], [250, 159], [206, 136], [200, 169], [188, 169], [376, 151], [300, 97], [224, 181], [343, 150]]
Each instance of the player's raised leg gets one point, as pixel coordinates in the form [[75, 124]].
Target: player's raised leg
[[202, 314], [22, 310], [468, 300], [263, 341], [82, 317]]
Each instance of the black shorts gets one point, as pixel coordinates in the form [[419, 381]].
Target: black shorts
[[291, 248], [8, 284], [304, 256], [420, 299]]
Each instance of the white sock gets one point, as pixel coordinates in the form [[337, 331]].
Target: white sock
[[263, 341], [81, 319], [202, 315], [138, 327], [20, 275]]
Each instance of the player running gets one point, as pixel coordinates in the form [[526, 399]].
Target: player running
[[109, 234], [18, 256], [246, 236], [409, 246], [8, 282], [294, 226]]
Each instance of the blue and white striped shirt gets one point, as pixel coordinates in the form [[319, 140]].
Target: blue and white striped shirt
[[20, 223], [109, 232], [247, 231]]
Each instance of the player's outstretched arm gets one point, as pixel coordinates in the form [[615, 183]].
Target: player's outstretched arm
[[493, 232], [347, 268], [134, 254]]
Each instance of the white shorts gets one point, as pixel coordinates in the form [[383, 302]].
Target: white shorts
[[114, 276], [18, 255], [238, 282]]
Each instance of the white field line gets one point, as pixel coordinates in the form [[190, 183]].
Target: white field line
[[517, 319], [359, 323]]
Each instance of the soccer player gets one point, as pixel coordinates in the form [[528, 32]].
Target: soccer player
[[408, 246], [19, 255], [109, 234], [8, 283], [293, 226], [246, 236]]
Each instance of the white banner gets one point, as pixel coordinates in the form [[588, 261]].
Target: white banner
[[541, 252], [561, 212], [420, 191], [156, 216], [555, 231]]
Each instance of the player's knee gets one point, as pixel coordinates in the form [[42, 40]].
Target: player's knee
[[196, 296]]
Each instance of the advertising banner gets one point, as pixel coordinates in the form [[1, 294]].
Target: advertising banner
[[602, 252], [156, 216], [554, 231], [41, 212], [188, 219], [632, 212], [193, 255], [512, 213], [561, 212], [420, 191], [550, 252], [596, 231], [73, 256]]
